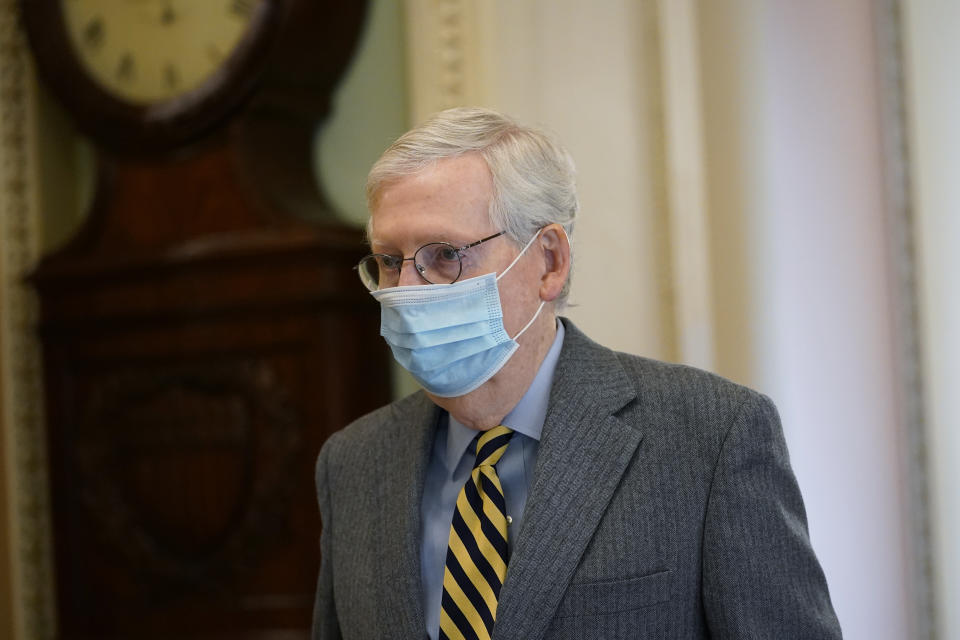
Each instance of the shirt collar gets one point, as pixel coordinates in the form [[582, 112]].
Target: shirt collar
[[526, 417]]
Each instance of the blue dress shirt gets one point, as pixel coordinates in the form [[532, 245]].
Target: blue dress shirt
[[450, 465]]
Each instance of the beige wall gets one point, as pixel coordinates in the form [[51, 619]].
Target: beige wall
[[369, 112], [581, 71], [66, 172]]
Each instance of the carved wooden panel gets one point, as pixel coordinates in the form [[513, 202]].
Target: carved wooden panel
[[188, 399]]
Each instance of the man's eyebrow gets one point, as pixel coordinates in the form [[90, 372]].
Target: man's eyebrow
[[419, 242], [372, 241]]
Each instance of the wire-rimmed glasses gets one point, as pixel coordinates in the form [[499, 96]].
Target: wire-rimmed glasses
[[436, 262]]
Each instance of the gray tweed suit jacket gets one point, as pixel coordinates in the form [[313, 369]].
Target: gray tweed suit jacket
[[662, 506]]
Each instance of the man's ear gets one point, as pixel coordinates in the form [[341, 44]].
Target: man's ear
[[556, 255]]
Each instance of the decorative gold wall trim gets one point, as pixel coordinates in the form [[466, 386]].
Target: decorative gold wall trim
[[444, 54], [22, 396]]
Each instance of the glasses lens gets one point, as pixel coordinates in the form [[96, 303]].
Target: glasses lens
[[438, 262], [378, 271]]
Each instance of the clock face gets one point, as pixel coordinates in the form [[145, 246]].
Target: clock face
[[149, 51]]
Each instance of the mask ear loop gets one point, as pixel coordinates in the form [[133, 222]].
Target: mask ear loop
[[520, 255], [542, 302], [510, 266]]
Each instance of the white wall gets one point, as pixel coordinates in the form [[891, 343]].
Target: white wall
[[932, 38]]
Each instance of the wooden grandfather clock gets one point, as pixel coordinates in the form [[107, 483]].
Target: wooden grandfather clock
[[201, 338]]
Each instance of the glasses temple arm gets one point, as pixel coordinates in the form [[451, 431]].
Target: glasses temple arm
[[473, 244]]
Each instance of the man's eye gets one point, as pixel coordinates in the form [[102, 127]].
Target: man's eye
[[390, 262], [448, 254]]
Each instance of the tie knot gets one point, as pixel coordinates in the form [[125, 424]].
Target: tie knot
[[491, 445]]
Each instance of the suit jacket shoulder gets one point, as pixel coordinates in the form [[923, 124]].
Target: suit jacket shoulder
[[369, 478], [355, 447], [664, 506]]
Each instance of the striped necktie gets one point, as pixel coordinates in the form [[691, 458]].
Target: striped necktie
[[477, 553]]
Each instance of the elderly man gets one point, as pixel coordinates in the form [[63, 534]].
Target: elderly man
[[541, 485]]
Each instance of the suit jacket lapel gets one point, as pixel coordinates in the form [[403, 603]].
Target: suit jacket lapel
[[400, 489], [584, 450]]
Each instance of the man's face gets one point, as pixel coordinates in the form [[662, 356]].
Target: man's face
[[449, 202]]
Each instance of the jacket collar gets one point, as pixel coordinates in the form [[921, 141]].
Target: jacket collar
[[584, 452], [403, 467]]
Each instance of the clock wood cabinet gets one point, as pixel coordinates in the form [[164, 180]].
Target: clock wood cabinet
[[200, 339], [187, 399]]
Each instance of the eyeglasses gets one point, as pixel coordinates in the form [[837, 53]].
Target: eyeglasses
[[436, 262]]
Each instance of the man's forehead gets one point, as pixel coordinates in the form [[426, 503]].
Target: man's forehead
[[419, 229], [446, 200]]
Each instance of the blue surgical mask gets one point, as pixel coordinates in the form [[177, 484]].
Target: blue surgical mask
[[450, 337]]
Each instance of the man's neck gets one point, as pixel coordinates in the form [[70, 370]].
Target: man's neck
[[486, 407]]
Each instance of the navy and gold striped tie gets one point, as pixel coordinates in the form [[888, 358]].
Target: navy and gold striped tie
[[477, 553]]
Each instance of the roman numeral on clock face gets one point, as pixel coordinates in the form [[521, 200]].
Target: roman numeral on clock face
[[93, 33], [242, 7], [171, 76], [127, 68], [149, 51]]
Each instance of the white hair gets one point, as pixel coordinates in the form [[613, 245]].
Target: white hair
[[533, 176]]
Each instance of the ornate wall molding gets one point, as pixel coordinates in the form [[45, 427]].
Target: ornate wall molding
[[444, 54], [902, 248], [22, 401]]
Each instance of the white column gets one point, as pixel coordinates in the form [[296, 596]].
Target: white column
[[583, 70], [686, 183], [932, 38]]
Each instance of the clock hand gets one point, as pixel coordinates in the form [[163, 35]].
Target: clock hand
[[168, 16]]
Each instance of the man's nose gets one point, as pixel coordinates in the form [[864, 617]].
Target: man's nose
[[409, 275]]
